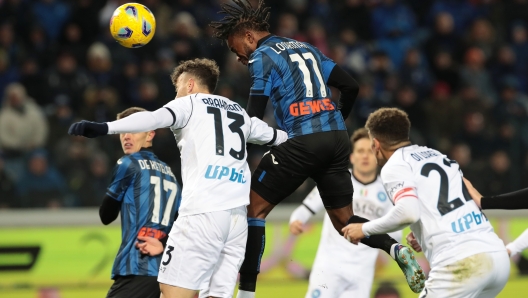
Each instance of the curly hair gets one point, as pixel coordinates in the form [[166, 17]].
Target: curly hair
[[389, 125], [360, 133], [205, 70], [241, 17]]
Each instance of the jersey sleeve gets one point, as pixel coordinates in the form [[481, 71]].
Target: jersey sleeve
[[261, 133], [398, 181], [124, 172], [181, 110], [141, 122], [260, 67]]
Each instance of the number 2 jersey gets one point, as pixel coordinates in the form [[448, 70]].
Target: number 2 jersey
[[451, 226], [150, 197], [212, 132], [294, 76]]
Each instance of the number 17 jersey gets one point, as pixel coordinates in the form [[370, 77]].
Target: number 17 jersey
[[451, 226], [212, 132], [294, 76]]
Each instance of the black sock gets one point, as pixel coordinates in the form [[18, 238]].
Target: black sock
[[383, 241], [254, 249]]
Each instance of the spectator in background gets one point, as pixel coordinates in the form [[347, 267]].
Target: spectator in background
[[386, 290], [35, 82], [51, 15], [288, 26], [8, 42], [512, 105], [519, 37], [127, 83], [482, 36], [504, 64], [474, 73], [85, 12], [8, 72], [185, 37], [93, 186], [72, 41], [40, 47], [7, 188], [60, 118], [444, 38], [444, 69], [23, 127], [357, 53], [317, 36], [461, 153], [406, 99], [463, 12], [415, 72], [100, 104], [498, 174], [355, 15], [99, 64], [443, 114], [475, 134], [67, 78], [41, 185], [149, 95]]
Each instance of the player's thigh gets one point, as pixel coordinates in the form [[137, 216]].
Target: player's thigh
[[193, 248], [168, 291], [466, 278], [133, 286], [225, 275], [274, 178], [501, 273]]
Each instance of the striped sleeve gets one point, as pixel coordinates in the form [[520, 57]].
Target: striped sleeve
[[260, 68], [124, 172]]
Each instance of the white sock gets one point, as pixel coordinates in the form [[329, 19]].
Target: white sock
[[244, 294], [392, 253]]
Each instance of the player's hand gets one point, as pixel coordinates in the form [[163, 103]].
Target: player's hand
[[296, 227], [473, 192], [88, 129], [353, 233], [150, 246], [412, 242]]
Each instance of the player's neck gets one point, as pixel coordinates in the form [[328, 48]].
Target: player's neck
[[388, 152], [364, 178]]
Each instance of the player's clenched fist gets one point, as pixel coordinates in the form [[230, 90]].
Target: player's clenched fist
[[88, 129], [413, 242], [149, 246], [296, 227], [353, 233]]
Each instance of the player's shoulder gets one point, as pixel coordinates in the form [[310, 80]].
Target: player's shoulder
[[127, 161]]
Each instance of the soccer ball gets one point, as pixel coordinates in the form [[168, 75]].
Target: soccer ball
[[132, 25]]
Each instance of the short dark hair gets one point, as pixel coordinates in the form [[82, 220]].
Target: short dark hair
[[129, 112], [205, 70], [389, 125], [241, 17], [360, 133]]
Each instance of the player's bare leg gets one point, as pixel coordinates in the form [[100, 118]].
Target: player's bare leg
[[403, 255], [257, 211], [168, 291]]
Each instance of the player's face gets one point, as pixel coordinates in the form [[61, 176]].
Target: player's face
[[133, 142], [242, 45], [184, 85], [376, 149], [362, 158]]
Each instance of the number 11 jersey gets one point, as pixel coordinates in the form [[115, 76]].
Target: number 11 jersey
[[451, 226], [212, 132]]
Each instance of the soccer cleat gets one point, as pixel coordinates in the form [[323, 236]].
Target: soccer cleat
[[410, 267]]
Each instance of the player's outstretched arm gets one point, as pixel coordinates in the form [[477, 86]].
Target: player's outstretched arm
[[262, 134], [137, 122], [348, 87], [309, 207], [518, 245], [509, 201]]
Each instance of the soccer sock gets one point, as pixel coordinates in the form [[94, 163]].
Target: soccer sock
[[256, 241], [384, 241]]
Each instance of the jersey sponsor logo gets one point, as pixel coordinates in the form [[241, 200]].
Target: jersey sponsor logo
[[465, 222], [367, 209], [382, 196], [221, 172], [311, 107], [151, 232], [222, 104], [394, 188]]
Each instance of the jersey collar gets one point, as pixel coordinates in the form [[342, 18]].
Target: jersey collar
[[365, 184], [149, 149], [263, 39]]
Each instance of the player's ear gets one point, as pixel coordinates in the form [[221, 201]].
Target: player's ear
[[150, 135], [190, 85], [249, 36]]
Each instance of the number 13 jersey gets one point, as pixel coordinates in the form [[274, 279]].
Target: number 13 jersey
[[212, 132], [451, 226]]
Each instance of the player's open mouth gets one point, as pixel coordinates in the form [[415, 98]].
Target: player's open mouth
[[128, 145]]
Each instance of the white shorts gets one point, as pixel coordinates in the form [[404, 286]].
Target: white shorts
[[329, 282], [205, 251], [482, 275]]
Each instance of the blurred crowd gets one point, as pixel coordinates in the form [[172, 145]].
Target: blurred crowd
[[458, 67]]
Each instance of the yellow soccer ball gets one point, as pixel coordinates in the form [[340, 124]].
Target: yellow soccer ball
[[132, 25]]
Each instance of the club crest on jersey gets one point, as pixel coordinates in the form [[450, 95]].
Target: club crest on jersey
[[382, 196], [221, 172], [316, 293]]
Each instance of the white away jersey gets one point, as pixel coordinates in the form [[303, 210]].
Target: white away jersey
[[212, 132], [369, 201], [451, 226]]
